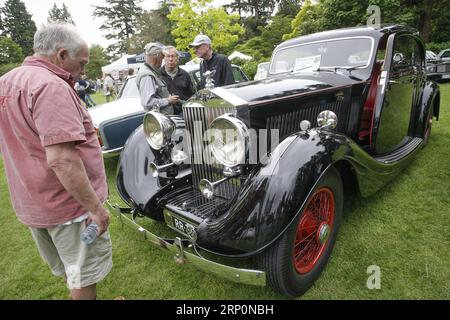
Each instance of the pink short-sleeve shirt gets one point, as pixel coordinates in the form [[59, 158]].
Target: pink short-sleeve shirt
[[39, 108]]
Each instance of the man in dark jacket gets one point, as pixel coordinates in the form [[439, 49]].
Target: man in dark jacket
[[212, 62], [178, 81]]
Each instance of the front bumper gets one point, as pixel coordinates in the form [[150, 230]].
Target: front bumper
[[178, 248]]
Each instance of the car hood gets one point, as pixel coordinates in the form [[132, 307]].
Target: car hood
[[284, 86], [115, 109]]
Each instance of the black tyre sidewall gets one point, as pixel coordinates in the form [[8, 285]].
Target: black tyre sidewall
[[287, 280]]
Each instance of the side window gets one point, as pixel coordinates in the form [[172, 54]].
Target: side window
[[237, 75], [403, 54]]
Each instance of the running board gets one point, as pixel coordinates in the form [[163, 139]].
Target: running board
[[401, 153]]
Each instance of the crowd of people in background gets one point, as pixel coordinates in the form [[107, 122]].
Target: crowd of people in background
[[162, 84]]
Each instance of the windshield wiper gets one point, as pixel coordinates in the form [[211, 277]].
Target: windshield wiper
[[336, 68]]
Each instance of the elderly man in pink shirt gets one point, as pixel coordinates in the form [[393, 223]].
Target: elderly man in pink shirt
[[53, 160]]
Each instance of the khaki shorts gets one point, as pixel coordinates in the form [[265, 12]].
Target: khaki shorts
[[62, 249]]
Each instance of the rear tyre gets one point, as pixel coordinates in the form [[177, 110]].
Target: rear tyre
[[296, 260]]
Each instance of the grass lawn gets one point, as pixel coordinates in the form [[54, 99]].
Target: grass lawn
[[404, 229]]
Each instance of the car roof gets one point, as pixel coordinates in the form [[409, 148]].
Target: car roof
[[374, 32]]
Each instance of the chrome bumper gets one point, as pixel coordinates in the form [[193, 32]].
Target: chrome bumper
[[176, 246]]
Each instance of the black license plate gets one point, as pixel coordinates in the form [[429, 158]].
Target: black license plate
[[184, 227]]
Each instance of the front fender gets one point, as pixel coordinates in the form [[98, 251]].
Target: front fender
[[134, 182], [274, 194]]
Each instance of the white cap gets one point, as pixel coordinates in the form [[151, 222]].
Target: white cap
[[199, 40]]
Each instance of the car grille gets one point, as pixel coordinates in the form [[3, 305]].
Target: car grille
[[289, 123], [443, 68], [198, 118]]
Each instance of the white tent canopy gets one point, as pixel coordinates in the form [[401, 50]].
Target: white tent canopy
[[118, 65], [237, 54]]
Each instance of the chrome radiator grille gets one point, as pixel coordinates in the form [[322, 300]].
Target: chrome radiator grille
[[289, 123], [198, 118]]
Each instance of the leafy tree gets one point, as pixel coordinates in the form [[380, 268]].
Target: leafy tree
[[193, 17], [257, 12], [307, 21], [440, 29], [152, 26], [17, 24], [10, 52], [120, 21], [97, 59], [60, 14], [261, 47], [289, 8]]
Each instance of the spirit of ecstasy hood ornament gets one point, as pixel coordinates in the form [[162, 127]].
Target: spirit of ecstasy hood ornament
[[209, 81]]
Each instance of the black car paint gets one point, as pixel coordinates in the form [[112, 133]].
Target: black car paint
[[267, 204]]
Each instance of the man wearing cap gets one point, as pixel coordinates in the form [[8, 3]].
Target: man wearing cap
[[178, 80], [153, 91], [212, 61]]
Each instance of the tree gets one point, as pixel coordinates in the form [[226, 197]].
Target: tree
[[440, 30], [60, 15], [17, 25], [194, 17], [97, 60], [261, 47], [152, 26], [289, 8], [258, 11], [307, 21], [10, 52], [120, 21]]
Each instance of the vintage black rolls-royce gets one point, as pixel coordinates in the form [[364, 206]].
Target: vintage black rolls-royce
[[257, 172]]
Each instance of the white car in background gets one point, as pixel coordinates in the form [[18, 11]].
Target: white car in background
[[116, 120]]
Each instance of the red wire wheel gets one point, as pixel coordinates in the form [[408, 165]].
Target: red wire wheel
[[313, 230]]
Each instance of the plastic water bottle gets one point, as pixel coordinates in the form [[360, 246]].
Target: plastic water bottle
[[90, 233]]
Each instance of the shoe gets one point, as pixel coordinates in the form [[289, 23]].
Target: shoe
[[119, 298]]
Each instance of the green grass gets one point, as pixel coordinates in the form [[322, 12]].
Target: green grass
[[404, 229]]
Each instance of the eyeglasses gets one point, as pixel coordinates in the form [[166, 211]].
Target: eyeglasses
[[171, 56]]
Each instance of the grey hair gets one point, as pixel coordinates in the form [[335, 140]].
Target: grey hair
[[54, 36], [167, 48]]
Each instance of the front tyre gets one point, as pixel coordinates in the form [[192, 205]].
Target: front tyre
[[296, 260]]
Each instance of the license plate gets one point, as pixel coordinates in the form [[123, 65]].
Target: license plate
[[184, 227], [446, 76]]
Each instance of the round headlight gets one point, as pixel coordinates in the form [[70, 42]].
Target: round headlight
[[229, 141], [158, 129]]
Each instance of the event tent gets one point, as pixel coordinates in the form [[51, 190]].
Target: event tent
[[118, 65]]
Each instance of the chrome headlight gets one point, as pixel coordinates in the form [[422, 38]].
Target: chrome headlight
[[158, 129], [229, 140]]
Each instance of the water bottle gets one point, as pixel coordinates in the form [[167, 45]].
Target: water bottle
[[90, 233]]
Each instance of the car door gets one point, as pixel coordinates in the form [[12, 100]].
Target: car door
[[396, 98]]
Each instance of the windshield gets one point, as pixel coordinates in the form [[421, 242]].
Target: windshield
[[130, 89], [430, 55], [344, 53]]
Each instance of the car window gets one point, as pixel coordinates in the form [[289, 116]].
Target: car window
[[407, 53], [328, 53], [129, 89], [237, 74], [446, 54]]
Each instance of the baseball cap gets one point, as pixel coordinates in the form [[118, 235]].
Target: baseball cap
[[153, 48], [199, 40]]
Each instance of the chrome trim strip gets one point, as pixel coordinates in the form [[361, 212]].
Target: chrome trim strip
[[244, 276], [111, 153], [229, 97]]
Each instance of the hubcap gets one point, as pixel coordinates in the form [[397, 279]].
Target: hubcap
[[314, 230], [323, 233]]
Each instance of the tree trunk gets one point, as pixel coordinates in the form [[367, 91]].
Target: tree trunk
[[425, 19]]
